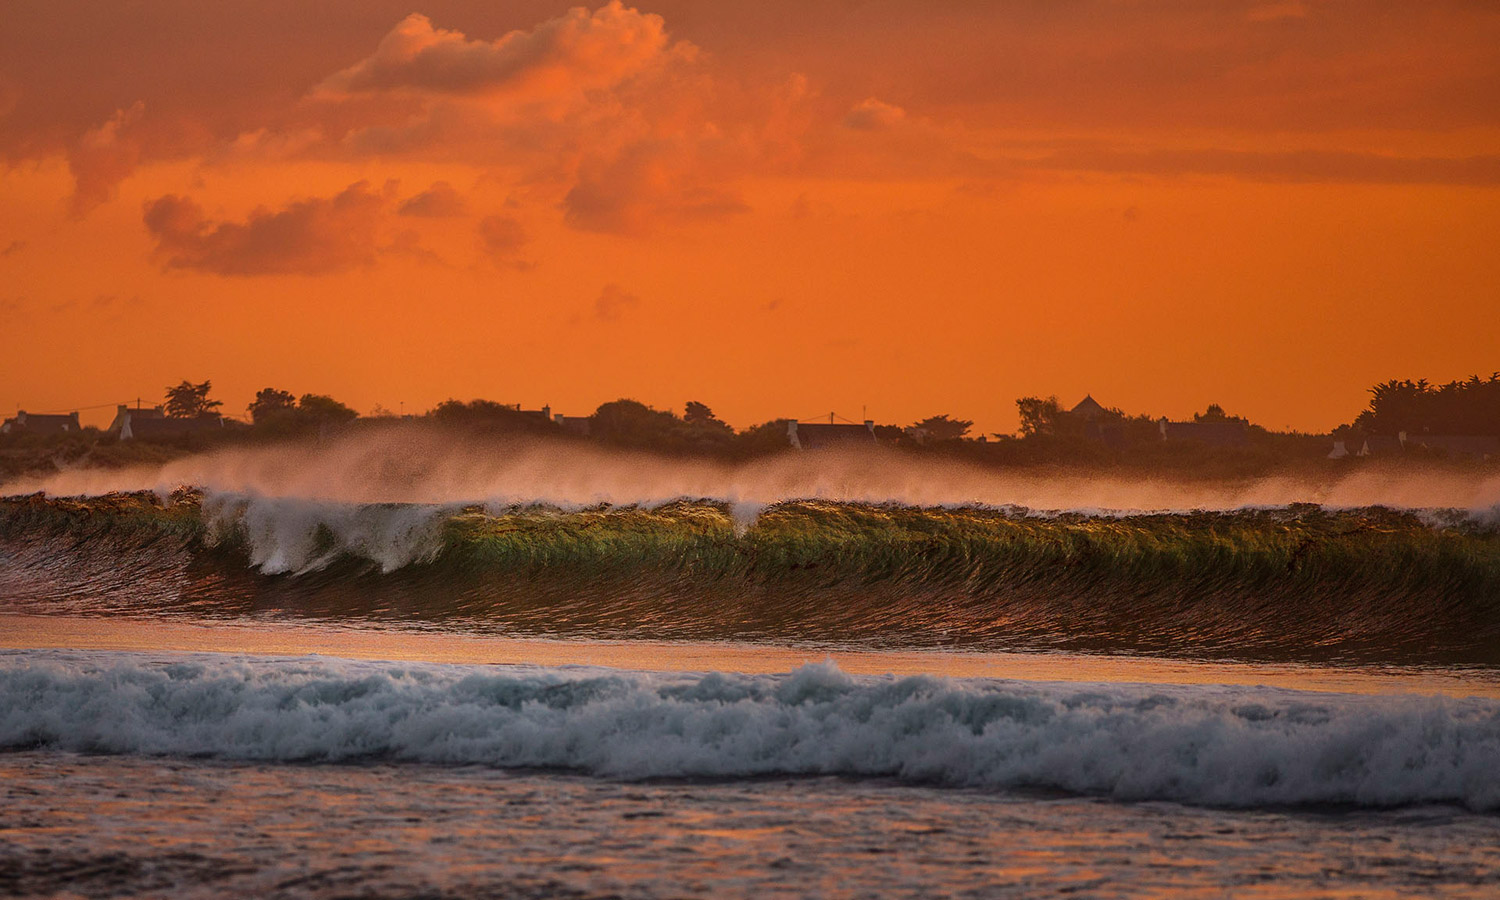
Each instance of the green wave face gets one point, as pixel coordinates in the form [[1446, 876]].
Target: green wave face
[[1298, 582]]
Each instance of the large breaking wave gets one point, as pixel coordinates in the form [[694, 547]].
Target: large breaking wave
[[1305, 582], [1238, 747]]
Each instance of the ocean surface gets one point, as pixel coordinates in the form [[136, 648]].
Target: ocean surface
[[227, 693]]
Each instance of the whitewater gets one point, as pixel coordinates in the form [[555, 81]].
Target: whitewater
[[1234, 747], [154, 773]]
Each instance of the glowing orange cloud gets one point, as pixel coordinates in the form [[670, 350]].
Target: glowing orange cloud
[[311, 236], [578, 51]]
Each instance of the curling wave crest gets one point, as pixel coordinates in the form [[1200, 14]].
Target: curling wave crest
[[1222, 746], [294, 535]]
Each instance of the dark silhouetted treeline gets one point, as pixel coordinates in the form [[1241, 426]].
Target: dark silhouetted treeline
[[1211, 443], [1469, 407]]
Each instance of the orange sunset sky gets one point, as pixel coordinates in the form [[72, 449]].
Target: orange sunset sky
[[778, 208]]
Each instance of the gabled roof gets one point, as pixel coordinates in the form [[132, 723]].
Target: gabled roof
[[817, 436], [125, 413], [167, 427], [1088, 407], [35, 423]]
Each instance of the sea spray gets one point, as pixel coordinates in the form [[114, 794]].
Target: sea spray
[[412, 464], [288, 534]]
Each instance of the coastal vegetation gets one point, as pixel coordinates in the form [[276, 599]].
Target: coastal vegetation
[[1050, 434]]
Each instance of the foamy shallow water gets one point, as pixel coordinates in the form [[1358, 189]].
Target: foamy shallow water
[[155, 773], [1211, 745]]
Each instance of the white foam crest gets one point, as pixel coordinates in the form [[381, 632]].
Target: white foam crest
[[422, 465], [293, 534], [1229, 746]]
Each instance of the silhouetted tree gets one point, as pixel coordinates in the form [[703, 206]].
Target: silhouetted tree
[[1216, 413], [322, 410], [767, 437], [699, 415], [491, 417], [188, 400], [943, 428], [270, 403], [630, 423], [704, 428], [279, 412], [1471, 406], [1038, 416]]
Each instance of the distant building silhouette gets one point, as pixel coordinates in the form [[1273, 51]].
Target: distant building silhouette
[[1098, 424], [579, 425], [151, 425], [30, 423], [1472, 446], [1216, 434], [124, 415], [1379, 445], [1088, 408], [823, 435]]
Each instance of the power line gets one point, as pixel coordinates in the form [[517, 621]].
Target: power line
[[830, 415], [68, 409], [137, 401]]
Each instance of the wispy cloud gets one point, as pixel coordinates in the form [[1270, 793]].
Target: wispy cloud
[[614, 302]]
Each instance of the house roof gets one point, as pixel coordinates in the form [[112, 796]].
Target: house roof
[[34, 423], [816, 436], [126, 413], [166, 427], [1088, 407]]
